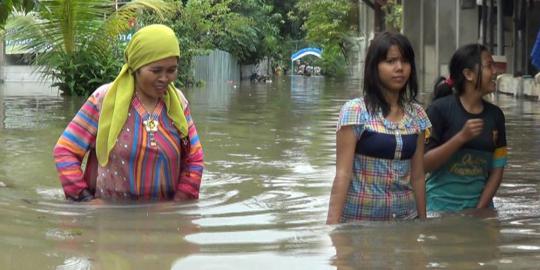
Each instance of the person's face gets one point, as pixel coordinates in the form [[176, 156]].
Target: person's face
[[489, 74], [153, 79], [394, 71]]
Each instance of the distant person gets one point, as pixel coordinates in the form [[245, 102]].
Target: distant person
[[278, 71], [301, 69], [317, 70], [380, 140], [138, 132], [254, 77], [307, 69], [466, 151]]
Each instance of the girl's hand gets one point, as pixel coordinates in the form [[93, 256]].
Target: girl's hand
[[332, 220], [471, 129]]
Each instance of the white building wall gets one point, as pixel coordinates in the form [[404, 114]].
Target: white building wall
[[436, 29]]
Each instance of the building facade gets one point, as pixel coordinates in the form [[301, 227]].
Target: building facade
[[437, 28]]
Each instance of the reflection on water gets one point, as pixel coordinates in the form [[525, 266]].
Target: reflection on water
[[269, 151]]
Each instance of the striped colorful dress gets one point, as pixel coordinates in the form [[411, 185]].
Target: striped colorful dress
[[380, 188], [136, 169]]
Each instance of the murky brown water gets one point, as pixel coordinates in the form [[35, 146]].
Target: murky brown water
[[270, 164]]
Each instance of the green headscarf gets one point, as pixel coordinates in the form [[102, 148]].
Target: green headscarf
[[150, 44]]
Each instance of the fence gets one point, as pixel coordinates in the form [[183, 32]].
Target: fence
[[219, 66]]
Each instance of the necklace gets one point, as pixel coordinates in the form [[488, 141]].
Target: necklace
[[150, 124]]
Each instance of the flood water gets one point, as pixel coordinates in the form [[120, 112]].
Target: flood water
[[270, 163]]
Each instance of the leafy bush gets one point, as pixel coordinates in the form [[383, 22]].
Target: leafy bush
[[75, 40], [81, 73], [333, 62]]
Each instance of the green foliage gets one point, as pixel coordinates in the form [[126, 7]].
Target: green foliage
[[333, 61], [262, 36], [291, 21], [246, 29], [290, 32], [9, 6], [326, 20], [81, 73], [327, 24], [193, 22], [77, 39], [393, 14]]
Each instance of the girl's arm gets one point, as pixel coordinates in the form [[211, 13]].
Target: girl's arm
[[418, 177], [498, 163], [439, 155], [492, 184], [345, 147]]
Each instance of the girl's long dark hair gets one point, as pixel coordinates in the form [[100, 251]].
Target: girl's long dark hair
[[373, 87], [468, 56]]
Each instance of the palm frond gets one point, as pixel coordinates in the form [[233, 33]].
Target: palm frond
[[27, 30], [118, 22], [73, 20]]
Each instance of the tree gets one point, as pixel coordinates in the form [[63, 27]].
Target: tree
[[393, 14], [199, 25], [76, 40], [264, 29], [327, 25], [246, 29], [8, 6]]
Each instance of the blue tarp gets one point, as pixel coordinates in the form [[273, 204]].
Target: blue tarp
[[535, 54]]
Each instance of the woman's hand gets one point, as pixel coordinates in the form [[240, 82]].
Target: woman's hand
[[96, 201], [180, 197]]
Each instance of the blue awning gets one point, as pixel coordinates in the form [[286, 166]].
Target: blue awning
[[305, 52]]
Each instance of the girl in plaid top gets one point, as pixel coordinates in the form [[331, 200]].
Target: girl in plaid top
[[379, 149]]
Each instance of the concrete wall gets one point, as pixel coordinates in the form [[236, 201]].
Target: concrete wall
[[20, 73], [436, 29], [355, 53], [468, 26], [2, 59], [524, 86], [366, 31]]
